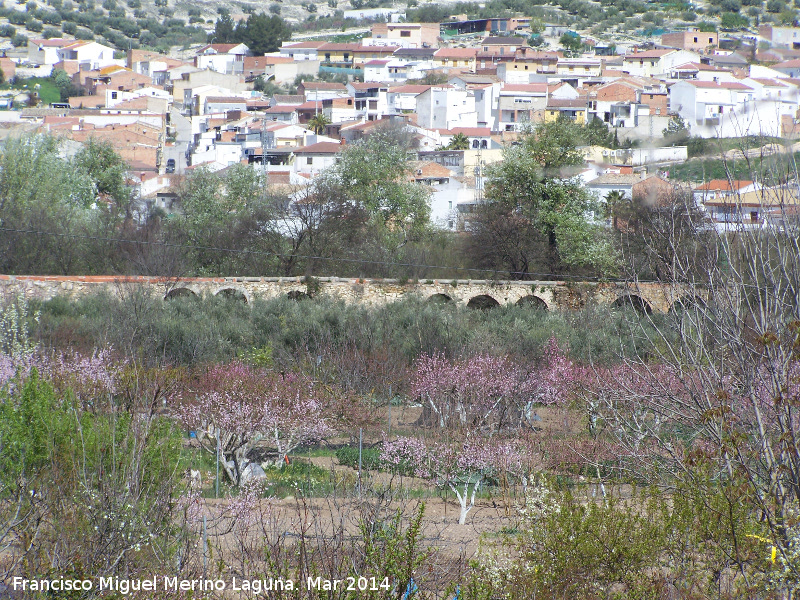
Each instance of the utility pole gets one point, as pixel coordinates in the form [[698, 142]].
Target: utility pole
[[479, 177], [264, 154]]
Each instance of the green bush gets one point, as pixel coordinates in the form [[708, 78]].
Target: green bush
[[191, 331], [370, 457]]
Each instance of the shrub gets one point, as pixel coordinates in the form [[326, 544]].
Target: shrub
[[370, 457]]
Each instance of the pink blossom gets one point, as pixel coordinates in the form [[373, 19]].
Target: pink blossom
[[489, 389]]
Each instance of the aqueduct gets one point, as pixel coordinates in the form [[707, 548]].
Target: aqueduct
[[647, 297]]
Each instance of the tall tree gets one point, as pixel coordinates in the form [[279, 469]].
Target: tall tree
[[262, 33], [223, 30], [375, 175], [535, 208]]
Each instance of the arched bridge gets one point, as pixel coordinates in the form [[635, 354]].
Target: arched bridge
[[646, 297]]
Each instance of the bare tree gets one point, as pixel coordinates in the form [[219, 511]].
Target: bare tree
[[713, 400]]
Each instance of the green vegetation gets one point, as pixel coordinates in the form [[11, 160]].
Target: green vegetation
[[193, 331], [773, 169], [348, 456]]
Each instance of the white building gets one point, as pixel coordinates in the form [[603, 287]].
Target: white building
[[300, 51], [446, 108], [114, 97], [403, 98], [657, 63], [222, 58], [518, 103], [316, 157], [90, 56], [45, 52], [726, 109]]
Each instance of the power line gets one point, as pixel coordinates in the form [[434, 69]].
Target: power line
[[98, 238]]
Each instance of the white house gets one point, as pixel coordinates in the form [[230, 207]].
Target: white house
[[316, 157], [518, 103], [223, 104], [403, 98], [653, 63], [89, 55], [480, 138], [45, 52], [720, 189], [222, 58], [445, 108], [788, 68], [724, 109], [194, 98], [300, 51], [115, 97]]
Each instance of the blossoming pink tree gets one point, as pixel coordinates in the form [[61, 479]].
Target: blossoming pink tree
[[242, 407], [485, 389], [462, 466]]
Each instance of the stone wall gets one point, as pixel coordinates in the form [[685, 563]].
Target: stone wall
[[473, 293]]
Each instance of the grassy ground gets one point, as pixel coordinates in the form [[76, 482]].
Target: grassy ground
[[771, 169], [48, 92]]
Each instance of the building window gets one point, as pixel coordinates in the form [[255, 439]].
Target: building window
[[405, 34], [309, 160], [695, 40], [113, 95], [711, 40]]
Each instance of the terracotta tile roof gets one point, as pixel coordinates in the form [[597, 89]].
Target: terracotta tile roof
[[281, 109], [53, 42], [566, 103], [769, 82], [788, 64], [722, 185], [429, 170], [472, 131], [648, 54], [221, 48], [456, 53], [303, 45], [410, 89], [358, 85], [320, 148]]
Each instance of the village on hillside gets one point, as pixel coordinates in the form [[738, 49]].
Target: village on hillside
[[464, 89]]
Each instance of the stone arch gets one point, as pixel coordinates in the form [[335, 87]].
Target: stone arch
[[232, 293], [633, 301], [298, 295], [531, 301], [181, 292], [439, 298], [483, 302]]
